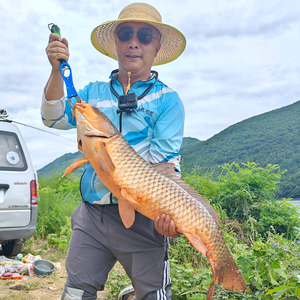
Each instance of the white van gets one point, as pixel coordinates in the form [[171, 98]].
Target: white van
[[18, 190]]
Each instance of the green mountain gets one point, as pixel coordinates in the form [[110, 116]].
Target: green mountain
[[59, 165], [269, 138], [188, 142]]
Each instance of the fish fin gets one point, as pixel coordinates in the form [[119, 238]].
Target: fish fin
[[210, 292], [196, 242], [215, 272], [167, 169], [127, 212], [75, 165], [127, 196], [230, 277], [103, 159]]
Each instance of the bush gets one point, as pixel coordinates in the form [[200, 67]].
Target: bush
[[281, 215], [245, 193], [270, 268], [62, 240], [58, 198], [184, 253]]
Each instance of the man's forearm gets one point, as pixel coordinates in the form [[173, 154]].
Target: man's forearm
[[54, 88]]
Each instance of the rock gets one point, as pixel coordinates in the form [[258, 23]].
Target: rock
[[17, 287]]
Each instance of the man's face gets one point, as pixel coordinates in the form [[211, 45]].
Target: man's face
[[134, 55]]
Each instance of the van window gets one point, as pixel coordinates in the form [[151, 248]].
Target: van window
[[11, 154]]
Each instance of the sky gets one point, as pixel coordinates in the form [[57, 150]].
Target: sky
[[241, 60]]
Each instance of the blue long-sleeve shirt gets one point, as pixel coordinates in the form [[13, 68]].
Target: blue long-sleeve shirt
[[154, 129]]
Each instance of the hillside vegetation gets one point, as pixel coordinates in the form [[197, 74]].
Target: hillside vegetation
[[59, 165], [269, 138]]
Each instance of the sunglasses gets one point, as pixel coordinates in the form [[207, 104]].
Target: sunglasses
[[144, 34]]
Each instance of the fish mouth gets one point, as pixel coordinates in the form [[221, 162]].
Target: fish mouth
[[80, 145], [90, 136], [100, 136], [133, 56]]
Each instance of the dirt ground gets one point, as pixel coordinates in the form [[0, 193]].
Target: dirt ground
[[36, 287]]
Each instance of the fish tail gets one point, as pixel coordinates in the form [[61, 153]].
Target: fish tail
[[230, 277], [226, 274]]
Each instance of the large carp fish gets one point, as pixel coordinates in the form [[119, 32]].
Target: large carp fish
[[152, 191]]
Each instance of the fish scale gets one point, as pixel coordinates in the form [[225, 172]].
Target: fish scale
[[153, 191], [161, 195]]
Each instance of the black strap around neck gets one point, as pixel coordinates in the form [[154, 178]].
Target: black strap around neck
[[141, 96]]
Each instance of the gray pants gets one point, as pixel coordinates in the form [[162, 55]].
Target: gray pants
[[99, 239]]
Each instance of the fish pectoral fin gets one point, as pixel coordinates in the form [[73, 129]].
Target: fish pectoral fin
[[127, 212], [128, 197], [103, 159], [75, 165], [196, 242]]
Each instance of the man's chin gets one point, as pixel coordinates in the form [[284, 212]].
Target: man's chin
[[133, 69]]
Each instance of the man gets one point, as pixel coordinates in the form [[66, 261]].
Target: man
[[153, 126]]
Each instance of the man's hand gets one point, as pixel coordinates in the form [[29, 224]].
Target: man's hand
[[57, 49], [165, 226]]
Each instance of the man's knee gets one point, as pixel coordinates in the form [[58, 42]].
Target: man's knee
[[77, 294], [162, 294], [72, 294], [169, 292]]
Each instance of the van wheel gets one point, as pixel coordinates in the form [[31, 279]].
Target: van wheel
[[12, 248]]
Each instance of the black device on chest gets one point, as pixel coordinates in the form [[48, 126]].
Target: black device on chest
[[127, 103]]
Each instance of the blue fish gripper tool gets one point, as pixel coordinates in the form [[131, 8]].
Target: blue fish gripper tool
[[71, 91], [64, 66]]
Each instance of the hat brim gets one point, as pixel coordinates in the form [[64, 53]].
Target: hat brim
[[172, 40]]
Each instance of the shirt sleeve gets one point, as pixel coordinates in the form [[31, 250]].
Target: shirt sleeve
[[58, 114], [168, 131]]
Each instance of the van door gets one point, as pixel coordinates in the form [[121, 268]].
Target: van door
[[14, 182]]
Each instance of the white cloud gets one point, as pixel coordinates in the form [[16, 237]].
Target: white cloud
[[241, 60]]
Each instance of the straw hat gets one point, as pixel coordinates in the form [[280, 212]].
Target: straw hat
[[172, 40]]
